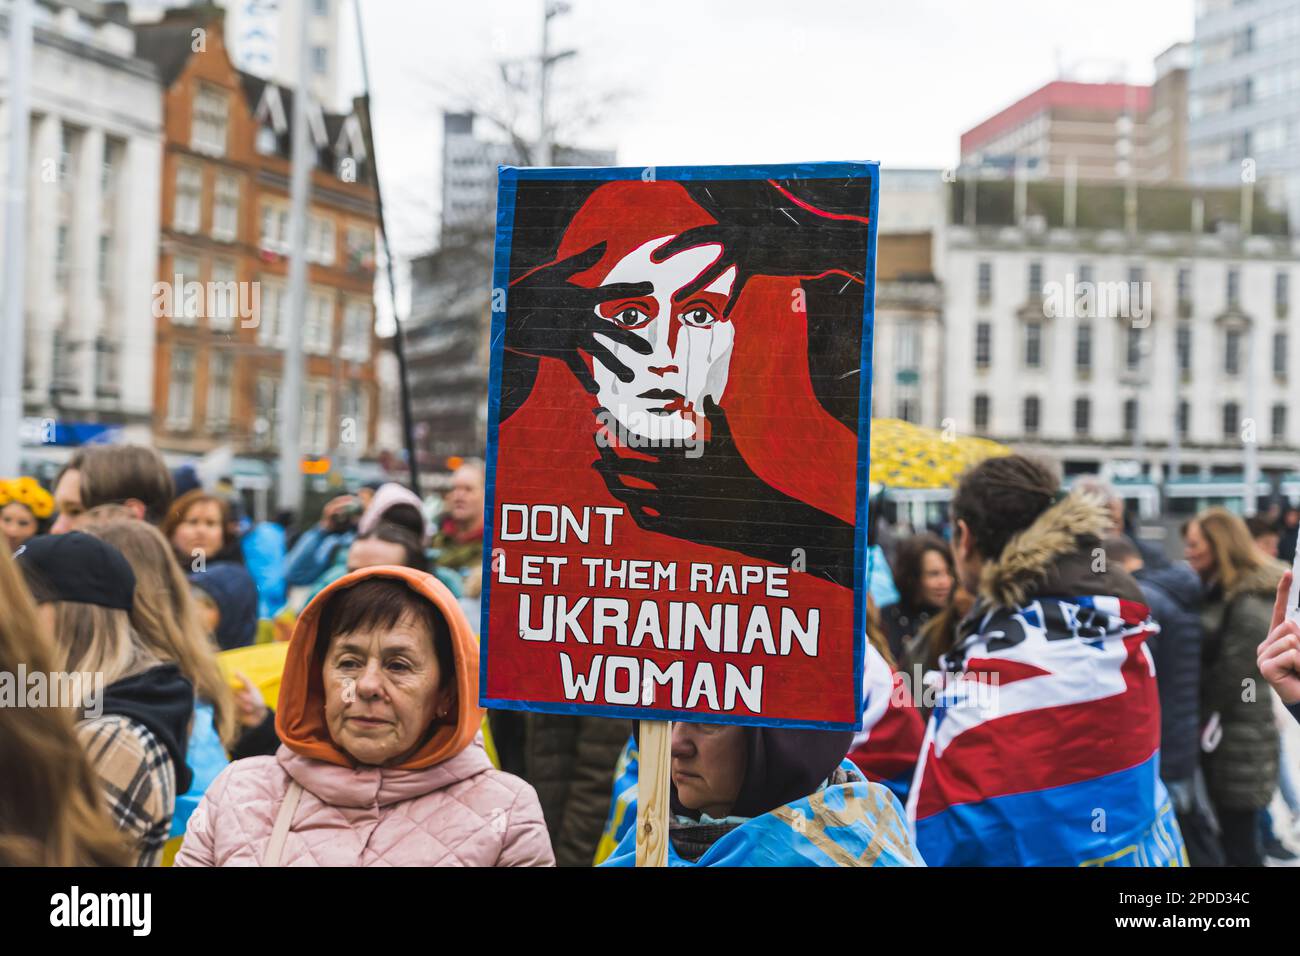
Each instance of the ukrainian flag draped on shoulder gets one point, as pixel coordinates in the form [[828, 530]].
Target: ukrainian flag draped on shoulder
[[1044, 747], [848, 823]]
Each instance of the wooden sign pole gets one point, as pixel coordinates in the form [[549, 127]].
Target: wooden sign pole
[[652, 794]]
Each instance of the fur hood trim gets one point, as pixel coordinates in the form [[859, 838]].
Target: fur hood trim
[[1031, 555]]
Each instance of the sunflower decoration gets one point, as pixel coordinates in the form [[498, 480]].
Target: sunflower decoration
[[904, 455], [27, 491]]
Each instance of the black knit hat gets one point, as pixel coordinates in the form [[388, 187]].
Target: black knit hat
[[77, 567]]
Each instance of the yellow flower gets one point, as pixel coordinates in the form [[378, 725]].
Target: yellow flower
[[27, 491]]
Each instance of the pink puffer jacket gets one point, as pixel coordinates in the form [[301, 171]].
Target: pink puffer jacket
[[442, 805], [459, 813]]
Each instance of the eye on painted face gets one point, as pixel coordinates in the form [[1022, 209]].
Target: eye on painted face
[[690, 339]]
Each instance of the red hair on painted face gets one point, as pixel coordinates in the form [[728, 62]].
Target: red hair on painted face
[[625, 216]]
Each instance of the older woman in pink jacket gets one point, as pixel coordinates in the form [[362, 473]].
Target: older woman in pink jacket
[[382, 763]]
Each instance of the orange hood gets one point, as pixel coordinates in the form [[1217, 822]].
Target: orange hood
[[300, 713]]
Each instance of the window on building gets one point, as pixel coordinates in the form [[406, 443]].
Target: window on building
[[1242, 93], [1231, 421], [105, 259], [1031, 414], [108, 176], [1279, 354], [1034, 344], [321, 8], [316, 417], [1232, 351], [1282, 292], [359, 242], [69, 149], [1185, 285], [272, 316], [208, 129], [1085, 273], [318, 324], [981, 412], [1035, 289], [180, 390], [275, 227], [1083, 347], [1232, 292], [357, 324], [266, 142], [1136, 275], [221, 370], [61, 252], [985, 280], [1133, 349], [223, 296], [1243, 40], [107, 371], [320, 60], [1130, 417], [320, 240], [189, 198], [225, 209], [983, 344], [1279, 424], [355, 405], [186, 308], [1082, 416], [908, 409], [1184, 418], [266, 421], [1183, 345]]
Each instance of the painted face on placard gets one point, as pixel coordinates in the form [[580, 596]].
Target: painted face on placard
[[691, 342]]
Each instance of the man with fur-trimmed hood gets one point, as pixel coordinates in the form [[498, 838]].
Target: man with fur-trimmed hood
[[1044, 749]]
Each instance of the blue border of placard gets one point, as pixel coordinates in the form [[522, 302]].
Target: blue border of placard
[[508, 179]]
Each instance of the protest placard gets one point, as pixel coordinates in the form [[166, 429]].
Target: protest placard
[[679, 408]]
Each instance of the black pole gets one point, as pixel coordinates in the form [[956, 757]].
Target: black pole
[[399, 339]]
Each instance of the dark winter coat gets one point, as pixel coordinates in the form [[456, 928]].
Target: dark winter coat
[[1173, 593], [570, 763], [1242, 771], [901, 625]]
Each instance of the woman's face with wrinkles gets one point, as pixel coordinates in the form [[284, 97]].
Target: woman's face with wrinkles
[[690, 341]]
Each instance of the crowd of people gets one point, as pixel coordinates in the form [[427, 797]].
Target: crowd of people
[[145, 579]]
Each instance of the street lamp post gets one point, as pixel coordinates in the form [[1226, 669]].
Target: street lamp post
[[13, 331], [550, 9]]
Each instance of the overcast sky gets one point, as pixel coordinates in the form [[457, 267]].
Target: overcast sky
[[732, 81]]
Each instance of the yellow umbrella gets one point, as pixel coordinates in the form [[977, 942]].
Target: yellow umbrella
[[904, 455]]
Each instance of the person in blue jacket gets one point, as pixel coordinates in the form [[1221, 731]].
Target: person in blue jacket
[[321, 545], [264, 556], [773, 796]]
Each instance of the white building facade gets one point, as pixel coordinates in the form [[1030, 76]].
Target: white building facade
[[1244, 96], [1187, 373], [92, 222]]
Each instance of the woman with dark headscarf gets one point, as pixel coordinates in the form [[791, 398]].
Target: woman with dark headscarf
[[768, 796]]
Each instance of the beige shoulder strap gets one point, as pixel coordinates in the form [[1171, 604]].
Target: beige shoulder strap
[[283, 819]]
